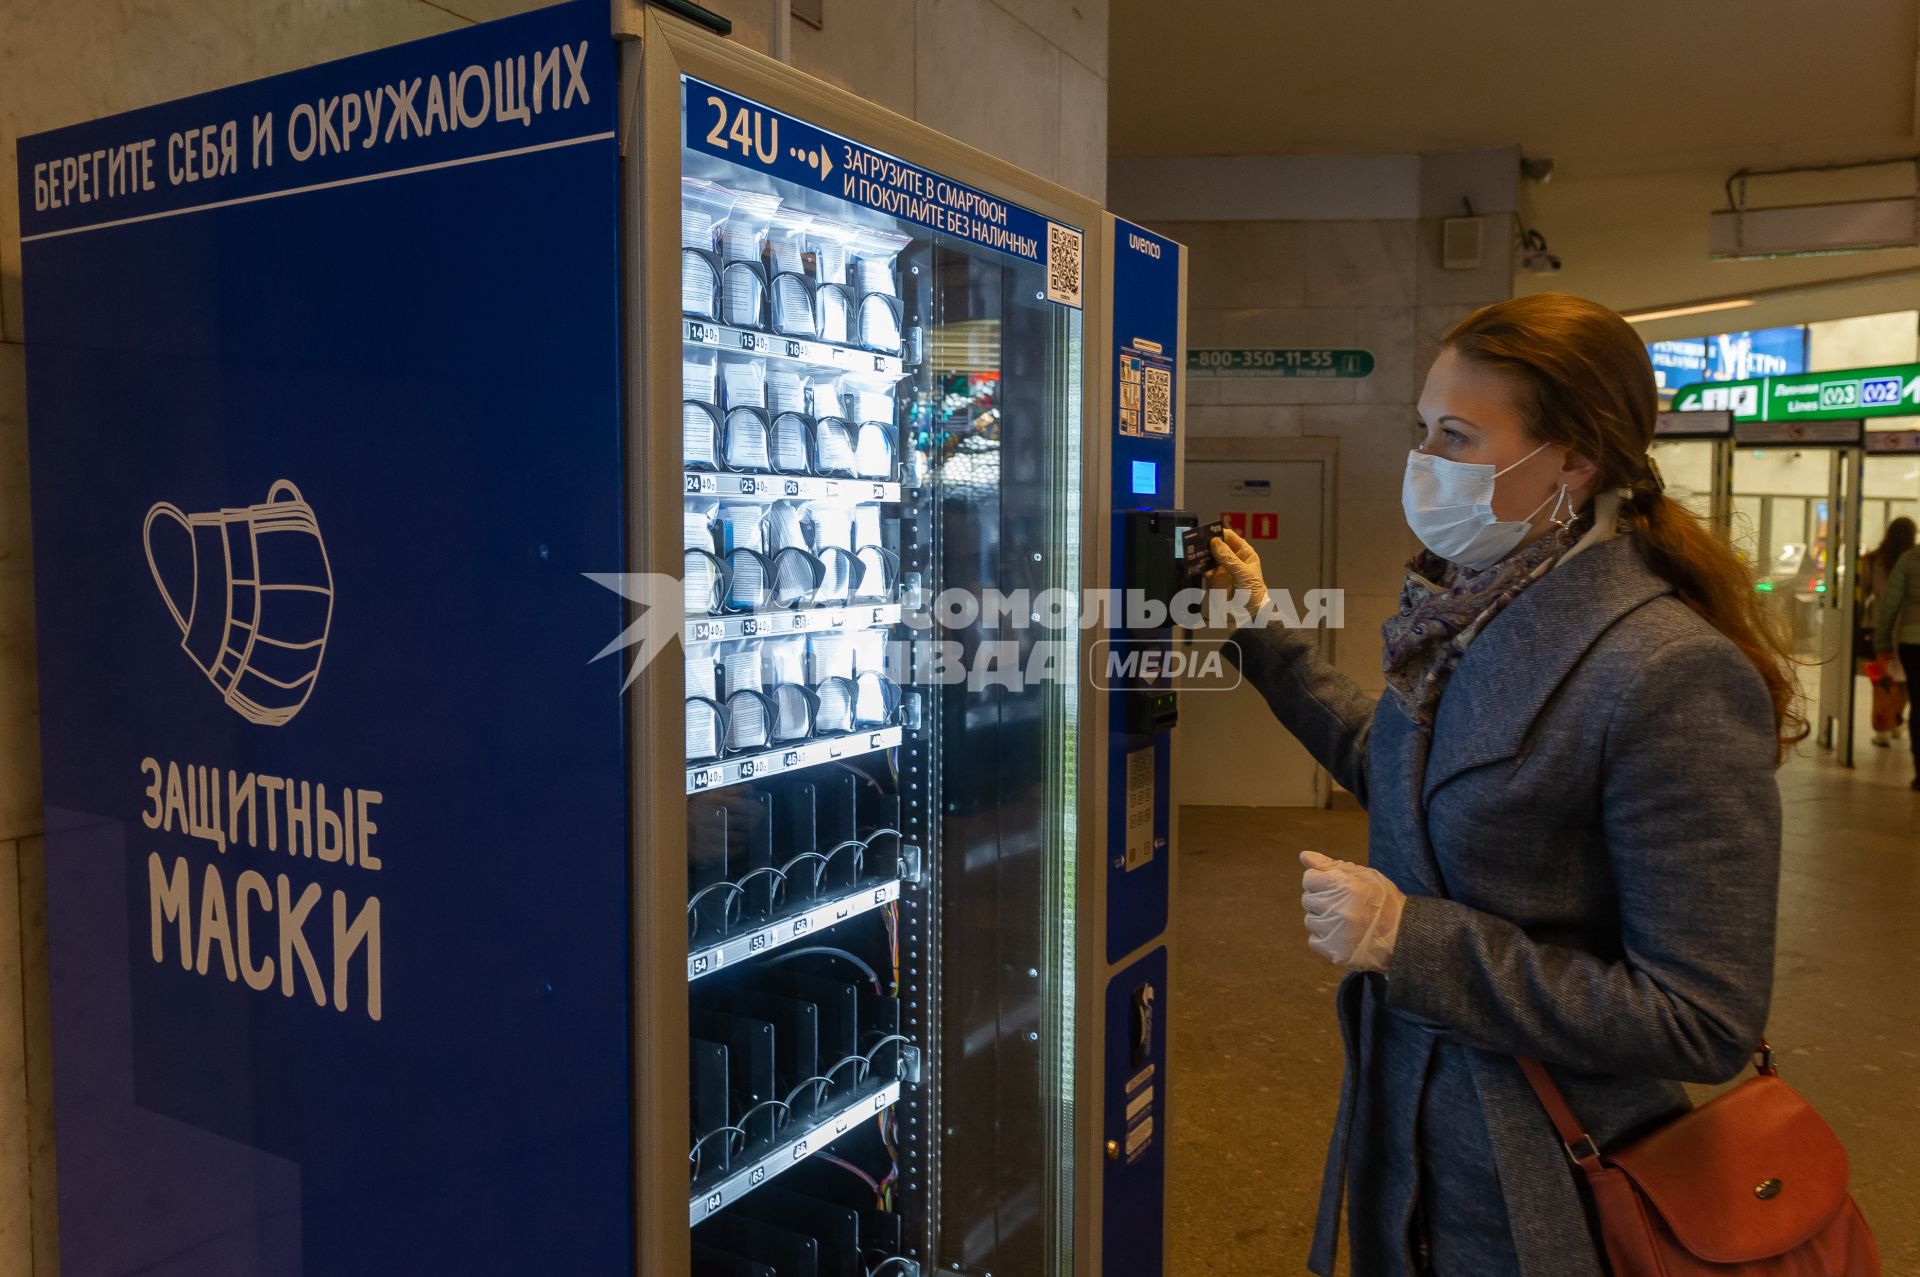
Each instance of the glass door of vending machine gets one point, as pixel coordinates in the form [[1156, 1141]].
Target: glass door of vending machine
[[856, 414]]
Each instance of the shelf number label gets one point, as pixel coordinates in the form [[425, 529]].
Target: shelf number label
[[702, 483], [792, 487], [799, 1150], [714, 1202], [698, 332], [791, 758], [748, 769], [705, 777], [757, 135]]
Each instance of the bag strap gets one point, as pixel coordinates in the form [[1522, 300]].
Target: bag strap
[[1580, 1147]]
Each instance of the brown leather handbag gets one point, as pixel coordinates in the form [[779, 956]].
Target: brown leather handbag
[[1752, 1183]]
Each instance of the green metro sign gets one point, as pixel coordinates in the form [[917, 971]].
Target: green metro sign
[[1892, 390]]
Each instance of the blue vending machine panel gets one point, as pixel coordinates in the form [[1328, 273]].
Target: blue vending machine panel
[[1134, 1119], [324, 387], [1146, 393], [1146, 390]]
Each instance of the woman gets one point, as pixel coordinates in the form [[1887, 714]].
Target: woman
[[1896, 624], [1876, 570], [1574, 827]]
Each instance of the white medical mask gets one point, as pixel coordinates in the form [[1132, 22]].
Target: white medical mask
[[1449, 506]]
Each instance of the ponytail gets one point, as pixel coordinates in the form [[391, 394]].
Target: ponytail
[[1705, 575]]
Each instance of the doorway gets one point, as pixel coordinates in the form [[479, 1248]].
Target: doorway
[[1228, 749]]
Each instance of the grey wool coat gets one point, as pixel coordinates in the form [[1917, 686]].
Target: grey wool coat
[[1589, 841]]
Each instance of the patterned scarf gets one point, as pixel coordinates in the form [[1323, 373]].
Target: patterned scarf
[[1444, 606]]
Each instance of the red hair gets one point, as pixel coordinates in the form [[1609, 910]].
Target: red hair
[[1586, 382]]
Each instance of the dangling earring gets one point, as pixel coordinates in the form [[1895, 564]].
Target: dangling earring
[[1564, 499]]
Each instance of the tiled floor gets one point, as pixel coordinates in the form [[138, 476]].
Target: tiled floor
[[1257, 1058]]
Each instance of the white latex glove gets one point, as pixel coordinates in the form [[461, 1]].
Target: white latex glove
[[1353, 913], [1240, 563]]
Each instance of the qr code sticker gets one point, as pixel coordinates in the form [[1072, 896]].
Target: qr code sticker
[[1159, 405], [1063, 264]]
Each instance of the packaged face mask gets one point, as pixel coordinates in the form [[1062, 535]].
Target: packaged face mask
[[703, 675], [705, 581], [876, 252], [786, 261], [700, 427], [873, 574], [742, 527], [829, 656], [833, 706], [869, 651], [876, 698], [702, 207], [786, 526], [866, 525], [697, 528], [743, 234], [783, 660], [739, 667], [834, 440], [255, 615], [866, 400], [832, 525], [744, 428]]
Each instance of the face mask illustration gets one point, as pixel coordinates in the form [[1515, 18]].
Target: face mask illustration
[[254, 612]]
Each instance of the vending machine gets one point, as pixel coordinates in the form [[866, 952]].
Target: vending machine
[[574, 568]]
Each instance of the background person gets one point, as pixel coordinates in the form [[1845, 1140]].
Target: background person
[[1574, 828], [1896, 626], [1890, 688]]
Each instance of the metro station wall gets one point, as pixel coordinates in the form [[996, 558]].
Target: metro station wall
[[1046, 111], [1375, 284]]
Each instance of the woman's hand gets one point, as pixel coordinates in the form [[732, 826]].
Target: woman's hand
[[1239, 568], [1353, 913]]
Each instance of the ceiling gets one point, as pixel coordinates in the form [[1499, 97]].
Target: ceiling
[[1644, 105]]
